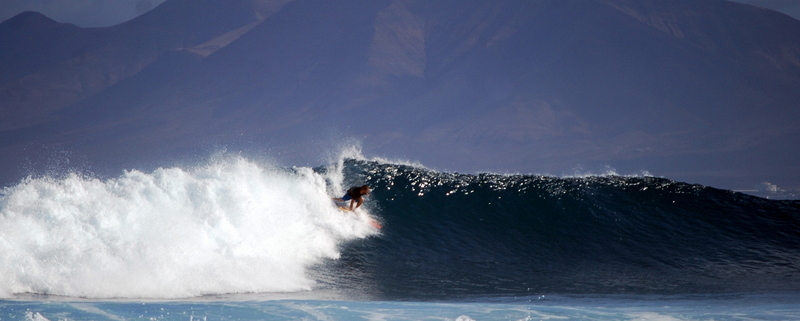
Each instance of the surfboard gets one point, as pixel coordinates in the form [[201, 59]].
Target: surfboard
[[372, 222]]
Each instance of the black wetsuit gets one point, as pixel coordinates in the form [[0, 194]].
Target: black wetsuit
[[354, 192]]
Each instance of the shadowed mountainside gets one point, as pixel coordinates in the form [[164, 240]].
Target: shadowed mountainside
[[700, 91]]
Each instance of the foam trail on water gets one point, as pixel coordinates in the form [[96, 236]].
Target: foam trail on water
[[231, 226]]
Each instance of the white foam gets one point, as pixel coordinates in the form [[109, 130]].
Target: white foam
[[607, 171], [353, 151], [231, 226]]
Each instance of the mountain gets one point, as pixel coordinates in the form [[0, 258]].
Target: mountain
[[700, 91]]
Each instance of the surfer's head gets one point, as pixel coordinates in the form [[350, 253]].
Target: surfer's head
[[364, 190]]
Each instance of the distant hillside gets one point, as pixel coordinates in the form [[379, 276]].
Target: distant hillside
[[701, 91]]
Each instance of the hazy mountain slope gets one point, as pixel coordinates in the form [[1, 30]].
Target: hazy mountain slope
[[23, 36], [703, 91], [55, 65]]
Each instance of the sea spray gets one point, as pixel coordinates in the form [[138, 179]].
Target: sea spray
[[230, 226]]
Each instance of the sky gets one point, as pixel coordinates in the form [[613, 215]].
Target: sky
[[789, 7], [103, 13]]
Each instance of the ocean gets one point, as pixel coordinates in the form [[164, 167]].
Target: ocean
[[239, 239]]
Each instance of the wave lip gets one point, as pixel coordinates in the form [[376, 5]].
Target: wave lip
[[231, 226]]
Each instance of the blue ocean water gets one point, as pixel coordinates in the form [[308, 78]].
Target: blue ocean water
[[729, 307], [237, 239]]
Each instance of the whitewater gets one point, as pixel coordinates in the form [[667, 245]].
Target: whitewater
[[230, 226]]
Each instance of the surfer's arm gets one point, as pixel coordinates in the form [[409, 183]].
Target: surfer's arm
[[359, 200]]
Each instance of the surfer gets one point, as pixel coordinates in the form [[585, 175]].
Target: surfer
[[355, 195]]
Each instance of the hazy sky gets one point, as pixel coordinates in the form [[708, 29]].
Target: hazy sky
[[790, 7], [101, 13]]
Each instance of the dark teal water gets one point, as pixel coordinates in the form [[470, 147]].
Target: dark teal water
[[449, 235]]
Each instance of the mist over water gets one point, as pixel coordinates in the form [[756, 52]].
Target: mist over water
[[229, 226]]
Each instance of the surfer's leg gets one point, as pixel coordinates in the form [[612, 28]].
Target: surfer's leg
[[344, 198]]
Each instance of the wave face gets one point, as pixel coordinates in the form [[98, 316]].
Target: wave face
[[231, 226], [450, 235], [238, 226]]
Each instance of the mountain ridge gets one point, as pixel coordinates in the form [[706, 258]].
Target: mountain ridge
[[684, 90]]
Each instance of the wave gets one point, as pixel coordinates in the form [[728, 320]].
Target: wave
[[235, 225], [449, 234], [230, 226]]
